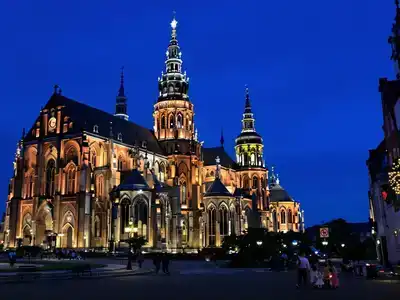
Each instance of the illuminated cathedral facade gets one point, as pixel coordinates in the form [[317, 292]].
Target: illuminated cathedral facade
[[84, 178]]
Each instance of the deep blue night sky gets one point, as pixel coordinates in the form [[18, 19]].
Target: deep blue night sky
[[312, 68]]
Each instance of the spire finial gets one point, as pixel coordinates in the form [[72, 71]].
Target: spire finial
[[174, 22], [222, 138], [56, 87], [247, 104]]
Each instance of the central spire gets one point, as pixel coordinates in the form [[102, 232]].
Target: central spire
[[173, 84], [248, 118]]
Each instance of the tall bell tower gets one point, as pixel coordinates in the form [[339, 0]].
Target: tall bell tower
[[173, 112]]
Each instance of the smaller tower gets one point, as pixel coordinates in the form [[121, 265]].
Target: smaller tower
[[249, 144], [121, 107]]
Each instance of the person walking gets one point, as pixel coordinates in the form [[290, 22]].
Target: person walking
[[157, 262], [303, 266], [140, 259], [165, 263]]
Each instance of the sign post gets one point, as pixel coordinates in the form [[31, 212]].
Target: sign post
[[324, 232]]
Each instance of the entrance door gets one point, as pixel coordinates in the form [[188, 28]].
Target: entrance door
[[69, 237]]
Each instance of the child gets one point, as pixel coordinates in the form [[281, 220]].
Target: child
[[313, 275], [319, 283]]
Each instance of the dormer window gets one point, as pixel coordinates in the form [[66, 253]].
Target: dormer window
[[144, 144], [96, 129], [119, 137]]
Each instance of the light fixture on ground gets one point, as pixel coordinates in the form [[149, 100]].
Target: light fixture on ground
[[259, 243]]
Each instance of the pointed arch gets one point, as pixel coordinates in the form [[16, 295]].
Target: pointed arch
[[163, 122], [283, 216], [50, 177], [212, 224], [70, 179], [100, 186], [223, 220], [171, 121], [290, 216], [179, 120]]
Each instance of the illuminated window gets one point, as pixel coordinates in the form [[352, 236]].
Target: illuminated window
[[255, 182], [179, 121], [183, 193], [50, 175], [100, 186], [212, 220], [283, 217], [71, 178], [96, 129], [290, 216], [119, 137], [97, 227], [163, 122], [171, 121], [223, 222]]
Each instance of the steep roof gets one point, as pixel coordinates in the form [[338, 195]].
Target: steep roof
[[132, 181], [85, 117], [210, 154], [217, 188], [278, 193]]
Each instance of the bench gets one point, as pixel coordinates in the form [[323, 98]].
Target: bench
[[27, 271], [81, 269]]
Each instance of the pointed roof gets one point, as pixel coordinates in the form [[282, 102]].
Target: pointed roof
[[277, 192], [121, 91], [209, 155], [247, 106], [217, 189], [133, 181]]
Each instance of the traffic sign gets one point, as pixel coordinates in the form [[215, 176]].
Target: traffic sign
[[324, 232]]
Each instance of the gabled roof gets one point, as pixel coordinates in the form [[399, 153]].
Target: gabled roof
[[85, 117], [210, 154], [217, 188], [132, 181], [278, 193]]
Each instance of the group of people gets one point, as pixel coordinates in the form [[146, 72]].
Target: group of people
[[327, 278], [161, 260]]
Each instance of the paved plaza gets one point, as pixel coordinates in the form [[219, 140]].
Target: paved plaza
[[198, 280]]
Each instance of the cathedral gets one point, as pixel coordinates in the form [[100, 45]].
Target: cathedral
[[84, 178]]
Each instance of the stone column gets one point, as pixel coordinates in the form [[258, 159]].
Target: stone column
[[174, 232]]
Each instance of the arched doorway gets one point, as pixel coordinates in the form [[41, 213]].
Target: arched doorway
[[27, 236]]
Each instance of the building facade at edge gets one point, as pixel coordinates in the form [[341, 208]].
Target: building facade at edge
[[383, 164], [84, 178]]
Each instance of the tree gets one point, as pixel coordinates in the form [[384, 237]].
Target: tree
[[136, 243]]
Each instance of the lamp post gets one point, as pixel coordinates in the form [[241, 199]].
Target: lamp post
[[259, 243]]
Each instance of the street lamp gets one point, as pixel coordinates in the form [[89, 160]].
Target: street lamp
[[378, 242], [325, 243], [343, 245], [295, 243], [259, 243]]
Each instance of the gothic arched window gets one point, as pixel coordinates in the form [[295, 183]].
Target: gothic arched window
[[100, 186], [255, 182], [171, 121], [223, 222], [163, 122], [212, 220], [290, 216], [124, 214], [121, 163], [179, 121], [50, 175], [283, 217], [71, 178], [140, 217], [161, 173], [183, 192]]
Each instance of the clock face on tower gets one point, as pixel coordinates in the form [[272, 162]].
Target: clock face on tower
[[52, 124]]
